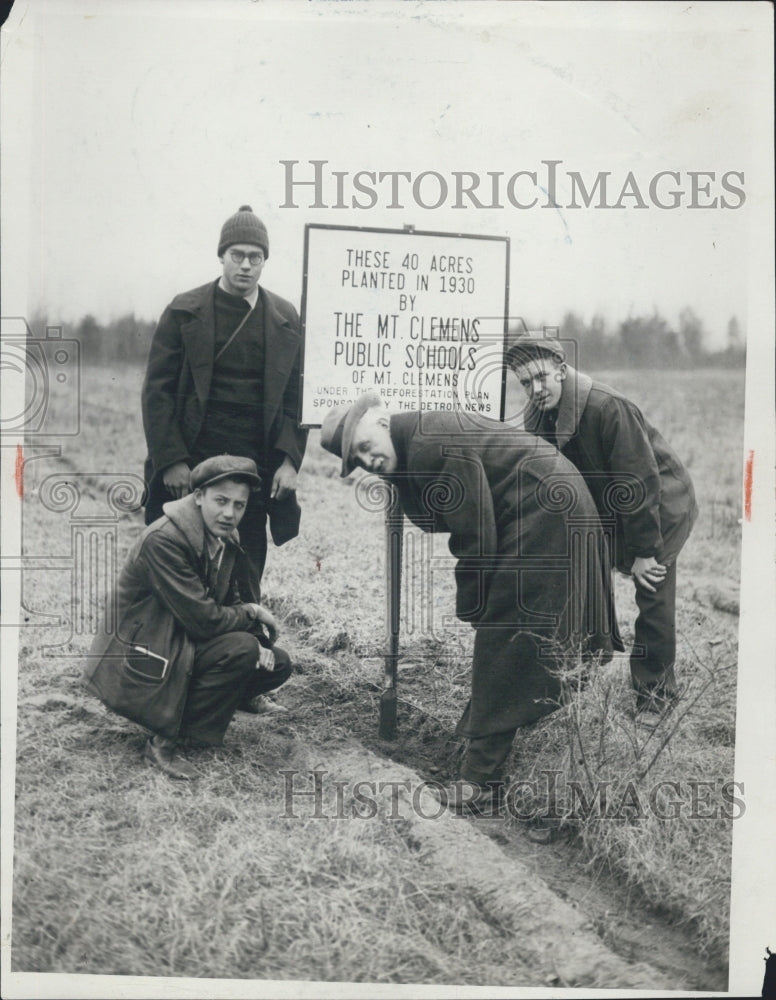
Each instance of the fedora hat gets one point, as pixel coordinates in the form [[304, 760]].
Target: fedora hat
[[339, 426]]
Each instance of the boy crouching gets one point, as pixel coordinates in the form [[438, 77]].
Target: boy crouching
[[191, 643]]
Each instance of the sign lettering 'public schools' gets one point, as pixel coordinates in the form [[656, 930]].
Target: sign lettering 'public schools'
[[420, 317]]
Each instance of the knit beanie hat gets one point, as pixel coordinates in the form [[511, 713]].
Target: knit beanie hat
[[244, 227]]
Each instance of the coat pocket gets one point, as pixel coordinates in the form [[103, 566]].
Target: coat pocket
[[140, 660], [145, 664], [143, 685]]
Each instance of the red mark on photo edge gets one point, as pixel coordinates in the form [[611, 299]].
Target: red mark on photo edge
[[748, 486], [19, 470]]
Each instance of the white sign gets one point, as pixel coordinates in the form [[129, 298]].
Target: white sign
[[419, 317]]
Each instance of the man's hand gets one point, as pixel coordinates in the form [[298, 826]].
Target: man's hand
[[284, 480], [648, 573], [266, 659], [267, 619], [176, 479]]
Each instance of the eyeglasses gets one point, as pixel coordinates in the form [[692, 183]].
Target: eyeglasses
[[254, 258]]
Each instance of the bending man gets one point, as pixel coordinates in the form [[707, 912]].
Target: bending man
[[530, 575]]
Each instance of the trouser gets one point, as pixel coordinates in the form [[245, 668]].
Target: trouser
[[223, 677], [654, 646], [252, 527], [651, 664]]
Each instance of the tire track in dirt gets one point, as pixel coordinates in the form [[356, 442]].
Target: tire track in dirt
[[625, 941], [559, 941]]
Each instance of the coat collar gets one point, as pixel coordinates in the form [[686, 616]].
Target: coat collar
[[402, 428], [186, 516], [200, 300], [196, 299], [573, 400], [273, 318]]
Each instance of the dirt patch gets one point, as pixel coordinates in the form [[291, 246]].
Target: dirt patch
[[558, 940], [579, 903]]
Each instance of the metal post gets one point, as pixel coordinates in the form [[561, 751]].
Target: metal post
[[394, 539]]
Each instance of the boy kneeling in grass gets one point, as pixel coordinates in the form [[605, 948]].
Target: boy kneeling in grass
[[643, 493], [192, 644]]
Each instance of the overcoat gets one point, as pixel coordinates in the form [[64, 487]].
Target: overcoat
[[532, 571], [164, 605], [643, 492], [180, 369]]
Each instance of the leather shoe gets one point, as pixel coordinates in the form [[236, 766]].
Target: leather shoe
[[653, 704], [160, 753], [469, 798], [543, 830], [260, 704]]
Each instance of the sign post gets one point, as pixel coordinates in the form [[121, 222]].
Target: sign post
[[394, 546], [419, 317]]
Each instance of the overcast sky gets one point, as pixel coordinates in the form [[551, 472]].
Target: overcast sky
[[148, 124]]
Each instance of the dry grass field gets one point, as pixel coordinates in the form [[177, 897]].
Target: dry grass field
[[119, 871]]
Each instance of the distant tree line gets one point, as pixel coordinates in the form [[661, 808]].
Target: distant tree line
[[651, 342], [125, 340], [636, 342]]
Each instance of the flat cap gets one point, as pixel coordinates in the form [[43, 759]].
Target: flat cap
[[531, 347], [224, 467]]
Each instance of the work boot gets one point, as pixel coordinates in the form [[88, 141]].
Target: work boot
[[261, 704], [543, 830], [470, 798], [160, 752], [653, 703]]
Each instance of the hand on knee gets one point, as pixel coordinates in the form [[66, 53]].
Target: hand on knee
[[266, 659], [282, 659]]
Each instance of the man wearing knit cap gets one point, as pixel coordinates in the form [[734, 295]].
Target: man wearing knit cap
[[642, 491], [223, 376]]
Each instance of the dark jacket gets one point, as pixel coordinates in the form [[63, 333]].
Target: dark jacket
[[164, 604], [532, 572], [180, 369], [641, 489]]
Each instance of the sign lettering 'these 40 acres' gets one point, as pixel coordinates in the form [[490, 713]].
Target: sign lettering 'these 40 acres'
[[419, 317]]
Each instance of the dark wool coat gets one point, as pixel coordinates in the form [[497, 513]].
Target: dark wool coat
[[180, 369], [165, 604], [641, 489], [532, 573]]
